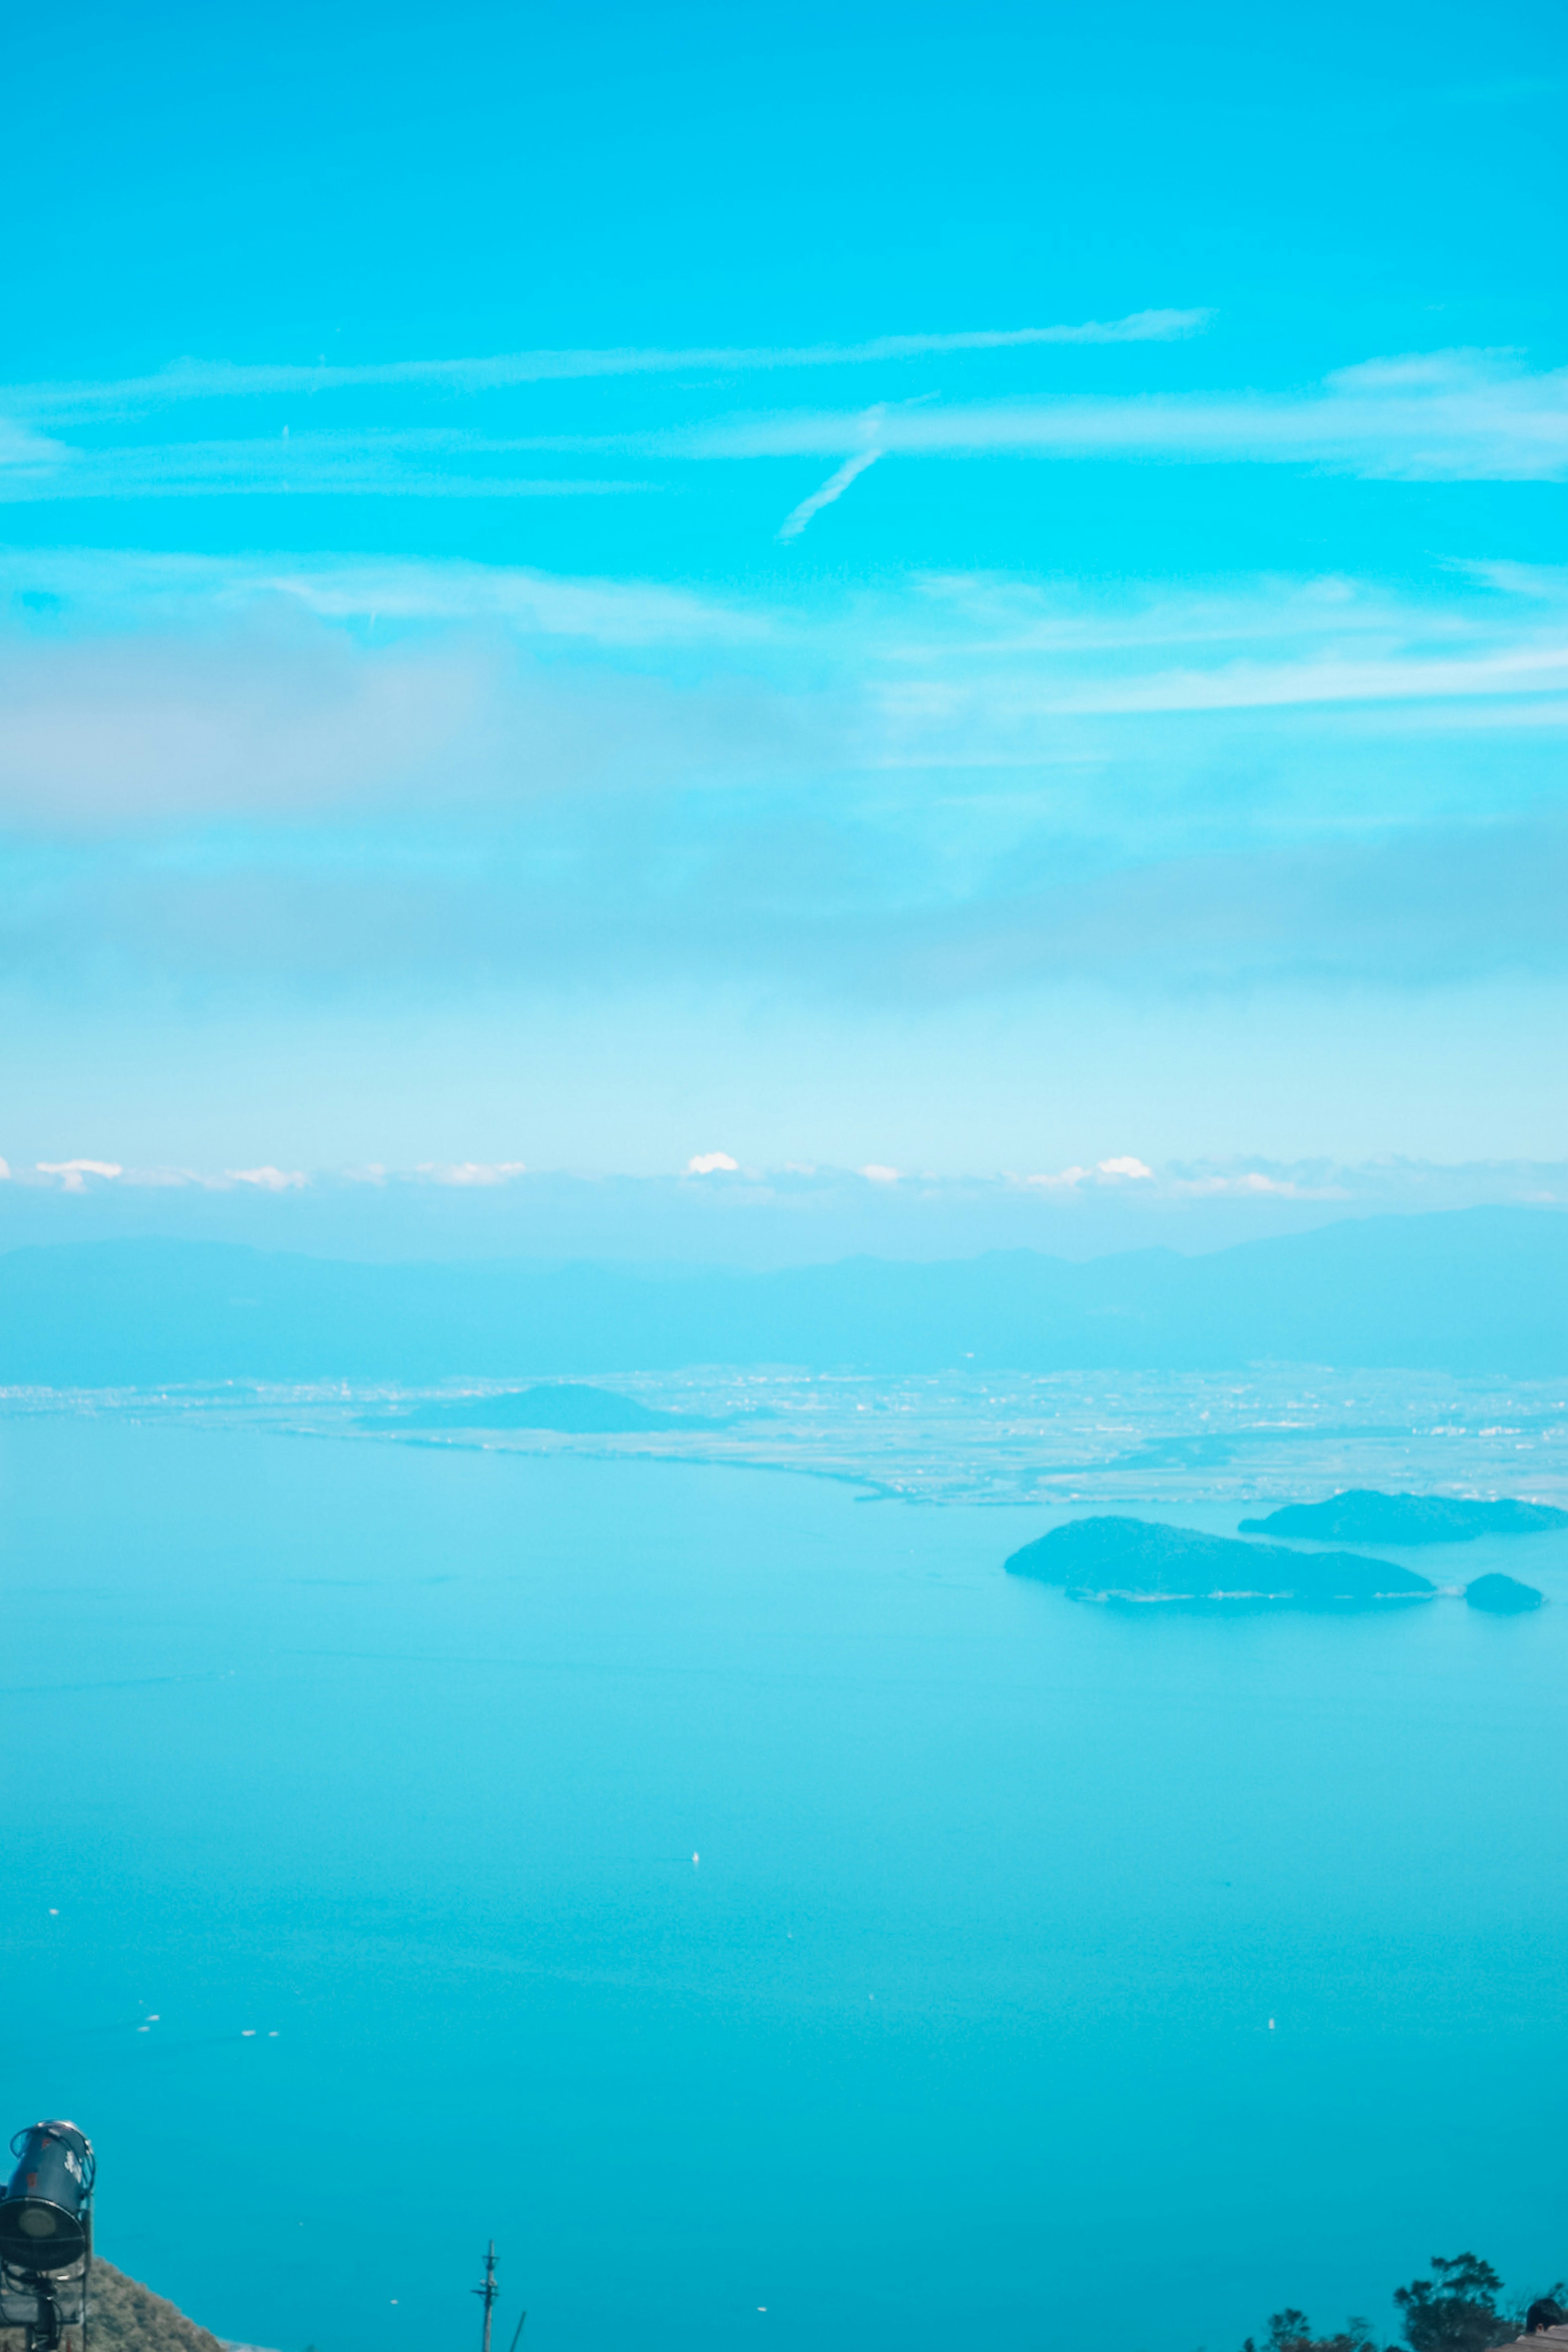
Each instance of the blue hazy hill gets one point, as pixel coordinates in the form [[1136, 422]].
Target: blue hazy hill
[[569, 1408], [1480, 1290]]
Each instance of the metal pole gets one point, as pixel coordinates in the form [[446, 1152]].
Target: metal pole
[[488, 2291]]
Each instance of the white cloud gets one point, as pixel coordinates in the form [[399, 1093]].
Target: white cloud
[[876, 1174], [268, 1179], [712, 1163], [73, 1174], [1104, 1171], [471, 1171]]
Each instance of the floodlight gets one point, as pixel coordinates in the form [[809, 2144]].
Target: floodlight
[[43, 2214]]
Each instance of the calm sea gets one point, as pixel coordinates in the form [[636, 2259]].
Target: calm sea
[[771, 1924]]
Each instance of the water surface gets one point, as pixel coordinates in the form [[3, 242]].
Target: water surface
[[957, 2033]]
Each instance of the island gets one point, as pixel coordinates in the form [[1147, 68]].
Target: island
[[1362, 1516], [1144, 1561], [568, 1408], [1502, 1596]]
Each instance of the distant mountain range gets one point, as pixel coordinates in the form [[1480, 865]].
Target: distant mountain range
[[1472, 1290]]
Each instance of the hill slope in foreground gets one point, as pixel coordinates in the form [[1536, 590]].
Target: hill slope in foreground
[[125, 2316]]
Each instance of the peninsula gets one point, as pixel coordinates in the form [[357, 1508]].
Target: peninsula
[[1142, 1559], [1362, 1515]]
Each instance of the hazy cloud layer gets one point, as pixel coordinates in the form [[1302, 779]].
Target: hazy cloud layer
[[726, 1187], [270, 777]]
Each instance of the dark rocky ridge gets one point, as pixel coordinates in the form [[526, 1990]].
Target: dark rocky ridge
[[1140, 1559], [1361, 1515]]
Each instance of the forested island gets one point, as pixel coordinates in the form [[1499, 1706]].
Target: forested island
[[1122, 1559], [1142, 1559], [1362, 1516]]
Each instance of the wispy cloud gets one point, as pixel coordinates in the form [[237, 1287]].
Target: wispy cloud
[[336, 464], [1451, 416], [111, 586], [23, 451], [1004, 664], [1445, 416], [203, 380], [836, 485], [1537, 668]]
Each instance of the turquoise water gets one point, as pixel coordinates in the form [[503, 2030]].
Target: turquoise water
[[957, 2034]]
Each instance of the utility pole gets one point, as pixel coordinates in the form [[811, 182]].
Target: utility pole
[[488, 2291]]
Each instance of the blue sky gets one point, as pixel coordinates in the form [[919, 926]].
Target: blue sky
[[964, 590]]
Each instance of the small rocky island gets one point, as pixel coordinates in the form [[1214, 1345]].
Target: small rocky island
[[1143, 1560], [1361, 1516], [569, 1408]]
